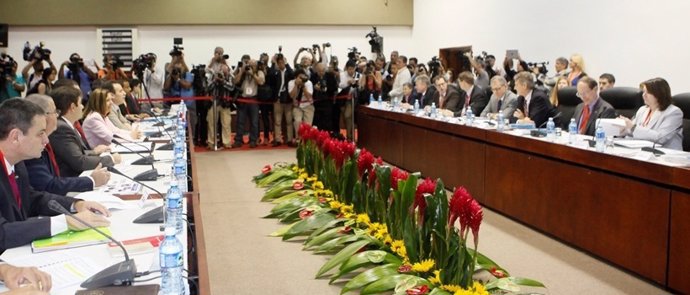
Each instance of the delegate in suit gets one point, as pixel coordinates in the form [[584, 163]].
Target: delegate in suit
[[22, 137], [44, 174], [533, 105], [502, 99], [591, 108], [71, 152]]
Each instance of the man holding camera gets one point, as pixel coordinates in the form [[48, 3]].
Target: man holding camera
[[12, 84], [78, 71], [248, 78], [112, 68], [178, 82], [301, 91], [36, 62], [325, 86], [281, 75], [220, 89], [349, 83], [152, 80]]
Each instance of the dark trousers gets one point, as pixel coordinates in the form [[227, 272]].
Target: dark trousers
[[247, 112], [201, 129], [266, 115], [323, 115]]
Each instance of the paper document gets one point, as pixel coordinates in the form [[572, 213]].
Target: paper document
[[66, 270], [611, 126], [633, 143]]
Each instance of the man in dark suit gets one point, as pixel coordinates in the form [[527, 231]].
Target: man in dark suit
[[71, 153], [44, 174], [424, 92], [475, 96], [22, 137], [325, 87], [533, 105], [502, 99], [279, 76], [591, 108], [448, 97]]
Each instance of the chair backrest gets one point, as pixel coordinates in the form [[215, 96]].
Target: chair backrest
[[682, 101], [567, 101], [626, 100]]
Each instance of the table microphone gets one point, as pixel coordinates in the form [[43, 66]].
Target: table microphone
[[155, 215], [653, 149], [145, 160], [148, 175], [121, 273]]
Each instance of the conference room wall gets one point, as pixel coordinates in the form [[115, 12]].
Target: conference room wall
[[199, 41], [635, 40]]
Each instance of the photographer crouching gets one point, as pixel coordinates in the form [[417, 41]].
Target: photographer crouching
[[248, 78]]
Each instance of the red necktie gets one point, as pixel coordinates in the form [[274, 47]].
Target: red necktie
[[583, 120], [77, 126], [15, 188], [467, 100], [53, 162]]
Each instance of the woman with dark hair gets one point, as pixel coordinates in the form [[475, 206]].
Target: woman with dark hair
[[45, 84], [98, 129], [658, 120]]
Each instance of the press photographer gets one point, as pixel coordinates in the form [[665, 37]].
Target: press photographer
[[301, 91], [112, 68], [325, 87], [35, 57], [220, 87], [249, 78], [178, 80], [77, 71], [279, 76], [12, 84], [350, 85]]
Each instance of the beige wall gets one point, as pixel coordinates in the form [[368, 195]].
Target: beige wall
[[205, 12]]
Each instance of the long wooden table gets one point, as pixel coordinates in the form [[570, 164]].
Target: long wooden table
[[631, 213]]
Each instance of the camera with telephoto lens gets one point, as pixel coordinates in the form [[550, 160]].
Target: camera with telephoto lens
[[541, 66], [6, 64], [353, 54], [177, 47], [175, 72], [75, 63], [39, 52], [142, 62], [434, 66], [115, 63]]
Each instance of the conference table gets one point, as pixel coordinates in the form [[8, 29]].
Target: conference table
[[624, 206], [71, 265]]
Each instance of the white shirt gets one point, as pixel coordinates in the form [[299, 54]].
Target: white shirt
[[308, 87], [154, 83], [528, 98], [401, 78], [58, 223]]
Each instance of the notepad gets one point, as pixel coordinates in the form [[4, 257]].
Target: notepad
[[70, 239]]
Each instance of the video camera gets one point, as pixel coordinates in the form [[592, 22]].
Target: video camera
[[6, 64], [434, 66], [353, 54], [75, 63], [39, 52], [376, 41], [115, 63], [142, 62], [541, 66], [177, 47]]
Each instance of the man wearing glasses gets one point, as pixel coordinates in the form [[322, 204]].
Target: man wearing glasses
[[591, 108], [502, 99]]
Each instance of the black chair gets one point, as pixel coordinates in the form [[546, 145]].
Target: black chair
[[567, 101], [682, 101], [626, 100]]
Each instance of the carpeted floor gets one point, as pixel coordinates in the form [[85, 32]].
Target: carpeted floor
[[244, 260]]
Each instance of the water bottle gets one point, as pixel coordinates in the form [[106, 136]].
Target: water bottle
[[171, 263], [572, 130], [500, 122], [470, 116], [180, 172], [433, 110], [182, 114], [380, 102], [551, 129], [173, 207], [371, 100], [416, 106], [179, 146], [600, 136]]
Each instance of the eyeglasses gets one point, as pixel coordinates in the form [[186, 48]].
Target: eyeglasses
[[494, 89], [55, 113]]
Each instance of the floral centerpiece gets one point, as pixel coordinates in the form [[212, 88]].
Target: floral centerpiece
[[402, 233]]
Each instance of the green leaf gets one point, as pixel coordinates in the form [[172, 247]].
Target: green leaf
[[325, 227], [324, 237], [363, 259], [337, 243], [526, 282], [484, 262], [292, 195], [388, 283], [277, 191], [369, 276], [282, 230], [275, 176], [309, 224], [343, 255], [439, 291]]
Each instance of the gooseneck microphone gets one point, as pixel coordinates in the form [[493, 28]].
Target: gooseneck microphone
[[155, 215], [145, 160], [657, 152], [148, 175], [121, 273]]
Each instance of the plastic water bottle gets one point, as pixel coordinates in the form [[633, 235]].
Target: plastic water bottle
[[380, 102], [433, 110], [416, 106], [600, 136], [551, 129], [499, 122], [173, 207], [572, 130], [182, 114], [179, 146], [371, 100], [180, 172], [470, 117], [171, 263]]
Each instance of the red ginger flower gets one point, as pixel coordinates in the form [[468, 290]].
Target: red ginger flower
[[467, 210], [405, 268], [266, 169], [398, 175], [365, 162], [304, 214], [426, 187], [420, 290], [304, 131], [321, 137]]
